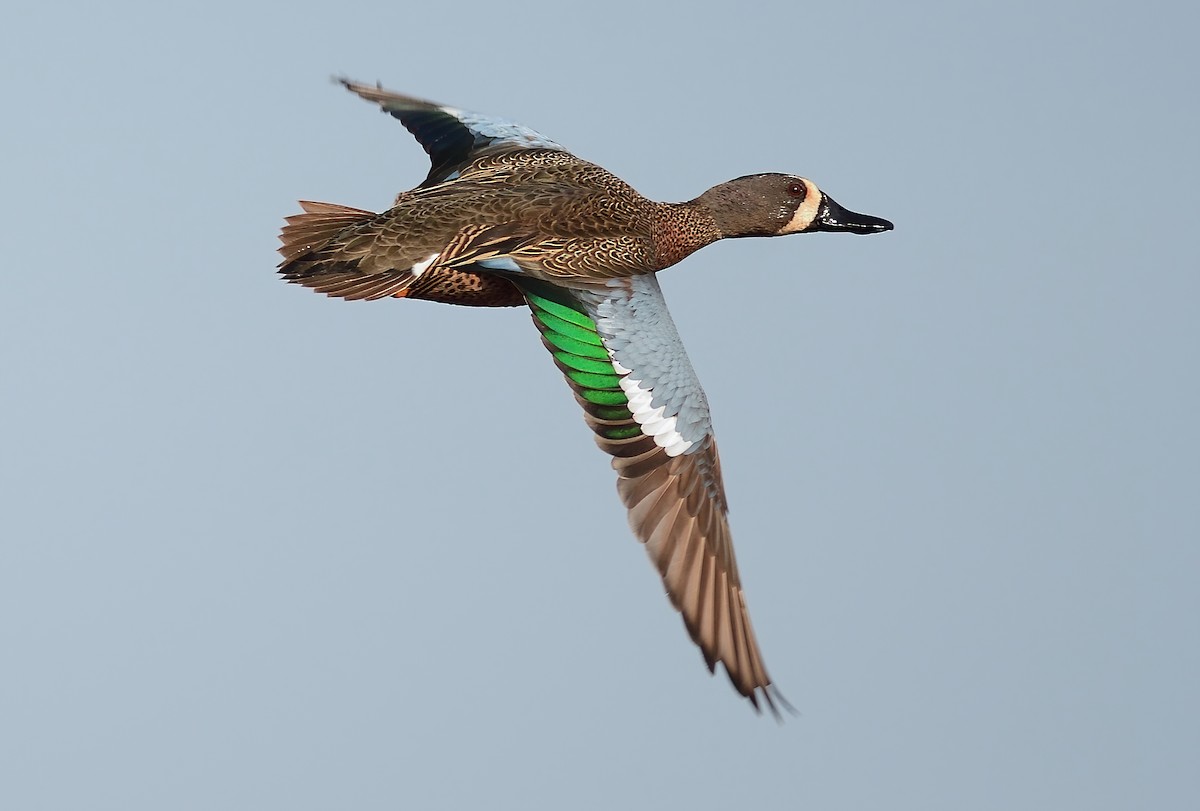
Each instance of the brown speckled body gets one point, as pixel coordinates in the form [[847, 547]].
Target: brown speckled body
[[558, 216]]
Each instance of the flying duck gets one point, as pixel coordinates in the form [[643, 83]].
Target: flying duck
[[507, 218]]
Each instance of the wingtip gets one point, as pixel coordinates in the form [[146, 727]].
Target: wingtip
[[768, 696], [358, 88], [387, 99], [777, 704], [759, 695], [352, 85]]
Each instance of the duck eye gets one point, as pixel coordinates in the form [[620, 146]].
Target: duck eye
[[798, 190]]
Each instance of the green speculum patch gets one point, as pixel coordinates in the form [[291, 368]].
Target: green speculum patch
[[584, 360]]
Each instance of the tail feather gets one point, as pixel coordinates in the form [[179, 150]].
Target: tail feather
[[330, 248], [319, 223], [310, 249]]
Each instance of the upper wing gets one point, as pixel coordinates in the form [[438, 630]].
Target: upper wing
[[619, 350], [452, 138]]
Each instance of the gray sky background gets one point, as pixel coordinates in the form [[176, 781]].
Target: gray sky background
[[262, 549]]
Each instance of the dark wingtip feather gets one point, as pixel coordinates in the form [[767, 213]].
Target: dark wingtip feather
[[775, 701], [768, 695], [387, 99]]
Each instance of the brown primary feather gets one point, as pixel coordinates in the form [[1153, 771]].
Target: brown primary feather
[[677, 509], [687, 537]]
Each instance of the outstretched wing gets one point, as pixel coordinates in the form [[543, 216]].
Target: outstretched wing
[[452, 138], [620, 352]]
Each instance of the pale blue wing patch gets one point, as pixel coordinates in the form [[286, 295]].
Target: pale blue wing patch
[[503, 264], [664, 394], [496, 131]]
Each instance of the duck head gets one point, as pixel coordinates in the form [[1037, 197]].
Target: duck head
[[773, 205]]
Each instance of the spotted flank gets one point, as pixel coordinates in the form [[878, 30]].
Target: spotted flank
[[506, 217]]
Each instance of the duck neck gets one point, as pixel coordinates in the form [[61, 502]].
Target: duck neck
[[681, 229], [735, 209]]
